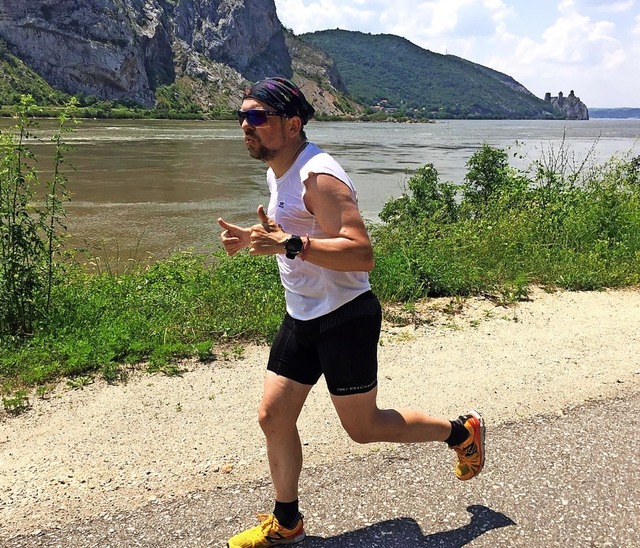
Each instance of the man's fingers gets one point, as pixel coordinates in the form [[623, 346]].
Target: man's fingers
[[264, 218], [230, 231], [262, 214], [224, 224]]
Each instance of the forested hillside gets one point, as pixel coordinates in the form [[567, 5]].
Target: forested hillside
[[390, 72], [180, 63]]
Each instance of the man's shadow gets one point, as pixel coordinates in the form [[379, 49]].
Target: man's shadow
[[406, 533]]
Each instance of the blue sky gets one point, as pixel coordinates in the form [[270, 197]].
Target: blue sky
[[590, 46]]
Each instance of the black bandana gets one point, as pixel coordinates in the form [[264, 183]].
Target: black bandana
[[282, 95]]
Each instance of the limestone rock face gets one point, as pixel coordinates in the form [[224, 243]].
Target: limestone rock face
[[243, 34], [104, 48], [124, 49], [318, 78]]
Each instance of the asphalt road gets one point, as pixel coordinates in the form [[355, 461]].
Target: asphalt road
[[567, 481]]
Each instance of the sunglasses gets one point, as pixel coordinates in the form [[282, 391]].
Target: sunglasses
[[256, 117]]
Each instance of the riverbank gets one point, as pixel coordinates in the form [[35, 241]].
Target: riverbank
[[103, 449]]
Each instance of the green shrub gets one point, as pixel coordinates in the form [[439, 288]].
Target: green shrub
[[498, 233], [564, 226]]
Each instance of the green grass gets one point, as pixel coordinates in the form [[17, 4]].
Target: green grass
[[179, 307], [499, 233]]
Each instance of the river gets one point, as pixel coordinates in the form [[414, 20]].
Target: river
[[142, 189]]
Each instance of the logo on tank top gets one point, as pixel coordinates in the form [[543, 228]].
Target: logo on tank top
[[281, 204]]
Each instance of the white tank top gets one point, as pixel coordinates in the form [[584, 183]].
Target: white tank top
[[311, 291]]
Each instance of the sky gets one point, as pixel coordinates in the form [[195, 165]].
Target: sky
[[589, 46]]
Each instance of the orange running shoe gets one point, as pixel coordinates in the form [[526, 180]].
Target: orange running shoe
[[471, 451], [268, 533]]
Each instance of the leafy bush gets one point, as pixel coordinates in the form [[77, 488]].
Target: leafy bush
[[572, 228], [560, 224]]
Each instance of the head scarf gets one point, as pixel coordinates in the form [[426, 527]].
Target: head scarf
[[282, 95]]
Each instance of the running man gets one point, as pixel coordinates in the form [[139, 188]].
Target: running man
[[332, 323]]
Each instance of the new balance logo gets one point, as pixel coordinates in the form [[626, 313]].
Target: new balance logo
[[275, 539]]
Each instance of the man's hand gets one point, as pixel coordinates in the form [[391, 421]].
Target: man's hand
[[267, 238], [234, 237], [268, 224]]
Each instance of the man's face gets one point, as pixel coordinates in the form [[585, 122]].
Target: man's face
[[263, 141]]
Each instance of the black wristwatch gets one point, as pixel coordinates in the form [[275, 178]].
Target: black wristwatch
[[293, 246]]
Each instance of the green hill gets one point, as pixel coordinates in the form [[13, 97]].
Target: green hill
[[388, 71], [621, 112], [385, 73]]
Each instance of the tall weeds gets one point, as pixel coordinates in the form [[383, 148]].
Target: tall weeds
[[30, 233]]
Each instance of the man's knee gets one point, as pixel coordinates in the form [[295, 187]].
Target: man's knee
[[359, 416], [359, 433], [272, 417], [265, 417]]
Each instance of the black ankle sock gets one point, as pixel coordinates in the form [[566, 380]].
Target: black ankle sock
[[286, 513], [458, 434]]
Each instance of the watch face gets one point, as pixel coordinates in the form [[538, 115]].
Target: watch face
[[294, 245]]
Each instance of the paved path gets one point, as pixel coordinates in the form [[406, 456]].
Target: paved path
[[549, 481]]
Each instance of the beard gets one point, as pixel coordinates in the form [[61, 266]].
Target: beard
[[258, 151]]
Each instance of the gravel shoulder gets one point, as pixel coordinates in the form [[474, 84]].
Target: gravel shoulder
[[90, 452]]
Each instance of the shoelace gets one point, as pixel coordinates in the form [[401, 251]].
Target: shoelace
[[267, 521], [468, 454]]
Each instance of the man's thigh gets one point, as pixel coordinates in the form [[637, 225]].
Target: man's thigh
[[349, 355], [294, 354]]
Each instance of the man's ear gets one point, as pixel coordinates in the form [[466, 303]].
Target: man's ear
[[295, 125]]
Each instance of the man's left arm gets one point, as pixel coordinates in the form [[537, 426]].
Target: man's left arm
[[348, 247]]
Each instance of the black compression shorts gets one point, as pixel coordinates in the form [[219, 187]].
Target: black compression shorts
[[342, 345]]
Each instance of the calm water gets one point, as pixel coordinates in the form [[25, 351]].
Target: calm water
[[152, 187]]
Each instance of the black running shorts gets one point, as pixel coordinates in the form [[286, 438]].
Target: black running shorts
[[342, 345]]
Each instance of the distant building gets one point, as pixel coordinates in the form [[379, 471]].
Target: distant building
[[572, 107]]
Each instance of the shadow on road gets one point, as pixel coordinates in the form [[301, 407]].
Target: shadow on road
[[405, 532]]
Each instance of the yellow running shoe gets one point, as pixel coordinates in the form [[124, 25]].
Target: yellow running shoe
[[471, 451], [268, 533]]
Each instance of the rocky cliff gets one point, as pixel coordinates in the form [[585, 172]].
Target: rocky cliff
[[125, 49], [198, 55], [571, 106]]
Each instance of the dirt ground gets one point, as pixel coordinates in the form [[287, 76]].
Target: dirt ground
[[102, 448]]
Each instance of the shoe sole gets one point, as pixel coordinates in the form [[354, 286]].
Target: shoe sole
[[294, 540]]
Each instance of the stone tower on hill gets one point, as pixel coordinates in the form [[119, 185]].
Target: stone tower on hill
[[572, 106]]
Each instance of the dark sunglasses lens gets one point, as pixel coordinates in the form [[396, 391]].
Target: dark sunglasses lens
[[254, 117]]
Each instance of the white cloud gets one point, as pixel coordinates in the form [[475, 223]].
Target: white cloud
[[325, 14], [590, 46], [607, 7], [454, 26], [574, 52]]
